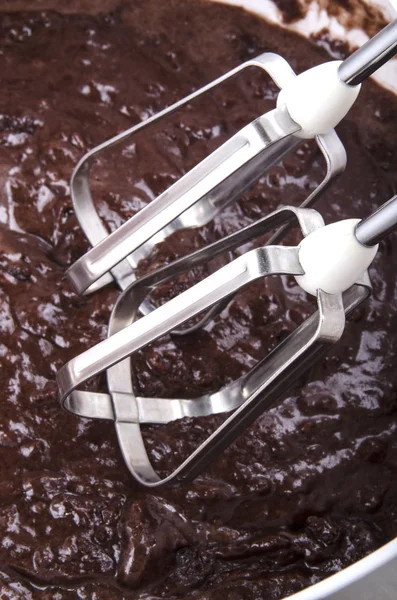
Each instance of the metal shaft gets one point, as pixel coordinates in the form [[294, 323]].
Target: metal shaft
[[376, 227], [372, 55]]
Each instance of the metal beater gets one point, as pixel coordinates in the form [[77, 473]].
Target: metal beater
[[309, 106], [345, 249]]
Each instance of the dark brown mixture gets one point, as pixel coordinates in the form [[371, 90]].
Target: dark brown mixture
[[312, 486]]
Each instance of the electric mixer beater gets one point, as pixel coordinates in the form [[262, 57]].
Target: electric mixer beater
[[330, 262]]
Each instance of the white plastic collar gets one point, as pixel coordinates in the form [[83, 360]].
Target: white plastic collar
[[317, 99], [333, 259]]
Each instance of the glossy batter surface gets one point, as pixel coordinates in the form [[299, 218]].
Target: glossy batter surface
[[312, 486]]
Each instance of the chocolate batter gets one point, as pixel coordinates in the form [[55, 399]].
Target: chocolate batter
[[312, 486]]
